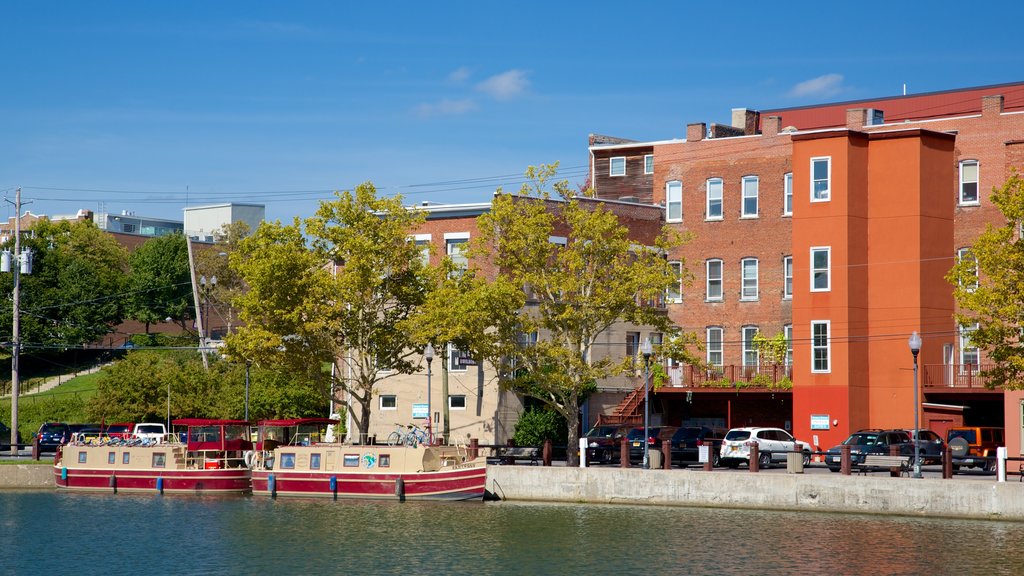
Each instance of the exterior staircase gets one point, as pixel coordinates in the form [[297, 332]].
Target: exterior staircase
[[628, 412]]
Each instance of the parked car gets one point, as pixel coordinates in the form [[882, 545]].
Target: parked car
[[5, 437], [119, 430], [655, 436], [686, 443], [870, 441], [932, 446], [150, 431], [772, 443], [51, 435], [974, 446], [604, 443], [75, 428]]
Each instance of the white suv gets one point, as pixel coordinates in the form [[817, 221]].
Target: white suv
[[772, 443], [152, 432]]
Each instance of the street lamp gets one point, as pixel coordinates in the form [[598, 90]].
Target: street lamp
[[207, 286], [428, 355], [645, 349], [915, 346]]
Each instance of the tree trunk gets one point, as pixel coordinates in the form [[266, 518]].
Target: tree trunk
[[572, 456], [364, 420]]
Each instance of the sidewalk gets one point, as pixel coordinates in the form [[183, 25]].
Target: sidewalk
[[54, 381]]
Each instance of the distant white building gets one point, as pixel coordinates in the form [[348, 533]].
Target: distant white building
[[128, 223], [202, 221]]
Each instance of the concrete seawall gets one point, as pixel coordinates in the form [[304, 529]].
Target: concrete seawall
[[804, 492], [26, 476]]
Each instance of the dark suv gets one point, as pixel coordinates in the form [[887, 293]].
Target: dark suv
[[604, 444], [686, 442], [865, 442], [974, 446], [635, 439], [51, 435]]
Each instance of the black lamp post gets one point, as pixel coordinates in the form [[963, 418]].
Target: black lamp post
[[207, 286], [915, 346], [428, 355], [646, 351]]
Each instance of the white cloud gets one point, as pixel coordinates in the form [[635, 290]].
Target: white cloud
[[827, 85], [506, 85], [459, 75], [446, 108]]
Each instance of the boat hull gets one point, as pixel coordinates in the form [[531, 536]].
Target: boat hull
[[224, 481], [458, 484]]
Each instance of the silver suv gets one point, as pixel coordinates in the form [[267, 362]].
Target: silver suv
[[772, 443]]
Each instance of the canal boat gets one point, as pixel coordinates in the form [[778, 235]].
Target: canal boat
[[293, 461], [201, 456]]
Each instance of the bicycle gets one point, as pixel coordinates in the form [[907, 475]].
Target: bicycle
[[414, 436]]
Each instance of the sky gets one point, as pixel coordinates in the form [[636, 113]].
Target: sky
[[153, 106]]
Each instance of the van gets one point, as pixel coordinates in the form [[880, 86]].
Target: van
[[974, 446], [150, 431]]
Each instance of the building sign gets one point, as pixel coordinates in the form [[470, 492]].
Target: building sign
[[819, 421], [419, 411]]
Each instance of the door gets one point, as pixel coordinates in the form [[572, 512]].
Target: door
[[940, 426]]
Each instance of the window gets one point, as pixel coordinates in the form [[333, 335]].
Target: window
[[821, 179], [965, 254], [457, 359], [714, 274], [384, 461], [787, 274], [821, 270], [632, 344], [969, 182], [820, 346], [455, 247], [423, 244], [750, 196], [111, 457], [159, 460], [314, 461], [457, 401], [749, 272], [617, 166], [674, 292], [649, 164], [526, 339], [288, 460], [351, 461], [82, 455], [714, 201], [751, 357], [969, 355], [714, 346], [788, 331], [787, 194], [388, 402], [674, 201], [126, 458]]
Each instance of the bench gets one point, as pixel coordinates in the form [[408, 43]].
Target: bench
[[876, 462], [509, 454]]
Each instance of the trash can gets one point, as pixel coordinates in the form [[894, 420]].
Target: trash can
[[795, 462], [654, 459]]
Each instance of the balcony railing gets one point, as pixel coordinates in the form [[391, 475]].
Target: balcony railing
[[954, 376], [770, 376]]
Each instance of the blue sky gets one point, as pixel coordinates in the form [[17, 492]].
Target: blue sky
[[149, 106]]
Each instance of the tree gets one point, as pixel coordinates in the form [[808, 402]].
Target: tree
[[575, 292], [334, 291], [212, 261], [988, 285], [160, 284]]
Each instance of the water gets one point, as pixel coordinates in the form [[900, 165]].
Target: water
[[62, 533]]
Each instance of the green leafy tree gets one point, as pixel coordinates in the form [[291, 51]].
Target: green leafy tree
[[568, 295], [988, 285], [536, 425], [334, 291], [160, 284], [213, 261]]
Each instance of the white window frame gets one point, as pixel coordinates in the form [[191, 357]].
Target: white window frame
[[719, 279], [749, 188], [611, 166], [977, 183], [673, 196], [751, 355], [825, 347], [788, 331], [787, 194], [714, 350], [965, 345], [632, 345], [718, 185], [451, 404], [827, 270], [962, 253], [394, 398], [677, 286], [648, 163], [422, 241], [826, 194], [787, 277], [453, 239], [749, 281]]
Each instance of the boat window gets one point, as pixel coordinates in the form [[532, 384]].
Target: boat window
[[125, 458], [351, 460], [288, 461], [204, 434], [385, 461], [82, 456], [314, 461], [159, 460], [111, 457]]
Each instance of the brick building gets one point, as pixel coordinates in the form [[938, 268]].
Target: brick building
[[899, 168]]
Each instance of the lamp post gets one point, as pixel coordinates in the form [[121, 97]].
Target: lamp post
[[428, 355], [207, 287], [645, 349], [915, 346]]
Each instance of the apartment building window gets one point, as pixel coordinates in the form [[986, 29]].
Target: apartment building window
[[969, 182], [821, 269], [423, 245], [787, 274], [820, 346], [714, 345], [714, 280], [749, 273], [969, 355], [457, 401], [388, 402], [751, 358], [632, 345], [788, 331], [674, 292], [787, 194], [821, 179], [714, 199], [526, 339], [674, 201], [455, 247], [649, 164], [750, 184], [965, 255], [617, 166]]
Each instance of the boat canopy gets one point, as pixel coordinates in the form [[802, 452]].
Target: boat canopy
[[216, 435], [292, 431]]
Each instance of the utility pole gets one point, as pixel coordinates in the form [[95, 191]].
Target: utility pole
[[16, 266]]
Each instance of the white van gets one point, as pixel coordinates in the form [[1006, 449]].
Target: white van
[[149, 431]]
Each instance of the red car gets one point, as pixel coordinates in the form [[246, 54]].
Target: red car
[[120, 430]]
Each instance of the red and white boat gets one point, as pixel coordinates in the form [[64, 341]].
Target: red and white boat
[[302, 465], [208, 456]]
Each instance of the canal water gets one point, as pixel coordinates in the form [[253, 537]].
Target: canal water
[[59, 533]]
